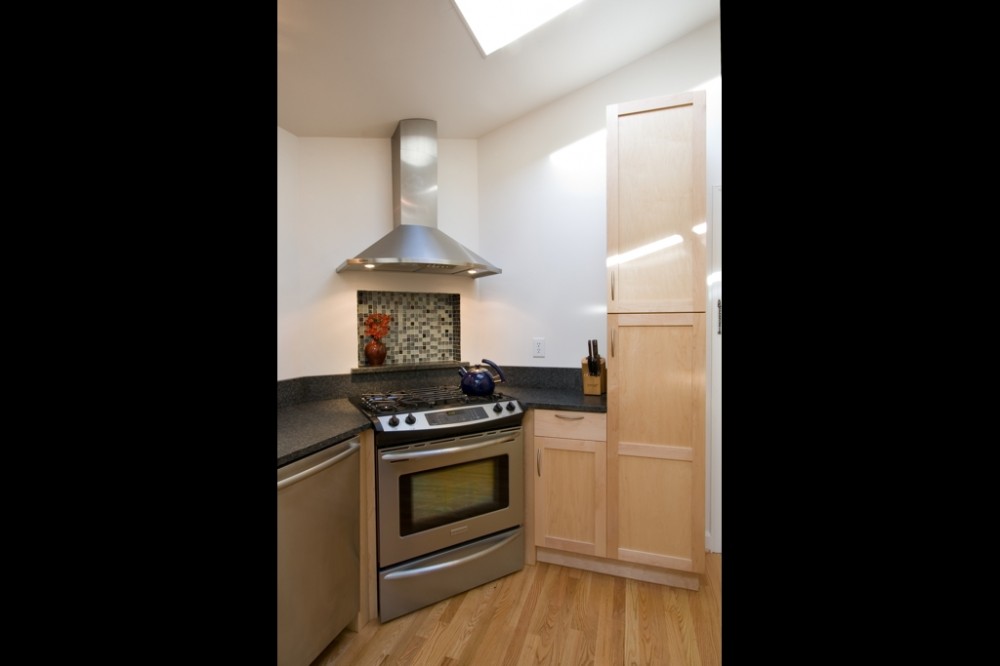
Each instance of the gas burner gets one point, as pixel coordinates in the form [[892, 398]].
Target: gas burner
[[419, 398], [422, 399], [380, 402]]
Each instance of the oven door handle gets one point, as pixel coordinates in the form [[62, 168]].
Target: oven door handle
[[395, 575], [443, 452]]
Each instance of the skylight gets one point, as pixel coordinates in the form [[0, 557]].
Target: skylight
[[496, 23]]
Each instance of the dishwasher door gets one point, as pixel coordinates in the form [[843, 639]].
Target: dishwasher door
[[318, 551]]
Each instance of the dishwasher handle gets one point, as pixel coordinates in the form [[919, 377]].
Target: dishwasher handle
[[355, 446]]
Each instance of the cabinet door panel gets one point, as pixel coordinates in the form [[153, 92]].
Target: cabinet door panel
[[655, 372], [654, 524], [656, 439], [570, 498], [657, 204]]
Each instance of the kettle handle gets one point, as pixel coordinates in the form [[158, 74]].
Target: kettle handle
[[495, 367]]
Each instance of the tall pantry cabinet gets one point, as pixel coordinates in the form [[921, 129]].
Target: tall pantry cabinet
[[656, 359]]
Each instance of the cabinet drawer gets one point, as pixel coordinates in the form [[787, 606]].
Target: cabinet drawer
[[571, 425]]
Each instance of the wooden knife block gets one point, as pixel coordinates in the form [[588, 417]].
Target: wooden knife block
[[594, 384]]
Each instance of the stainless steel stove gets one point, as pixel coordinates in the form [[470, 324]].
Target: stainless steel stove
[[449, 477]]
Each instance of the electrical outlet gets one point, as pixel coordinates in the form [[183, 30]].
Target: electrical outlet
[[538, 347]]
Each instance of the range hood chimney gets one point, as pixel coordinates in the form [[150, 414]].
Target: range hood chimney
[[415, 245]]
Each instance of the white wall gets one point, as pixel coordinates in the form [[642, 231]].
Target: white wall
[[288, 283], [334, 200], [529, 197]]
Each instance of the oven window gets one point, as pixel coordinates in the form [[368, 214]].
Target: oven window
[[444, 495]]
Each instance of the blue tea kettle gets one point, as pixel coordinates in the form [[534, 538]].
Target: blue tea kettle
[[478, 380]]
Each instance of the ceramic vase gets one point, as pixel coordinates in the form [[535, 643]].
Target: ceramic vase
[[375, 352]]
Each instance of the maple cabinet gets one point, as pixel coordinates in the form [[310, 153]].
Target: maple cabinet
[[656, 360], [632, 502], [570, 489]]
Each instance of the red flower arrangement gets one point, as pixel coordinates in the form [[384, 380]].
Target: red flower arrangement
[[377, 325]]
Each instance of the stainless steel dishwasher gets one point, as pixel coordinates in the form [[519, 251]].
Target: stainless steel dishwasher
[[318, 551]]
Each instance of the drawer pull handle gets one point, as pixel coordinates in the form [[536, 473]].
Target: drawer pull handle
[[396, 575], [569, 418]]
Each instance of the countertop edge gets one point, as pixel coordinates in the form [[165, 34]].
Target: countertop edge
[[307, 451]]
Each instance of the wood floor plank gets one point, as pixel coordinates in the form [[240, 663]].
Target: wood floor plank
[[569, 640], [638, 617], [608, 641], [706, 613], [529, 651], [540, 622], [411, 640], [436, 644], [478, 613], [497, 631], [514, 654], [676, 644], [679, 615], [379, 651], [549, 614], [591, 600]]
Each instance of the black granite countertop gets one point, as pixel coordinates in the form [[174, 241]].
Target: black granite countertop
[[554, 398], [314, 412], [313, 426]]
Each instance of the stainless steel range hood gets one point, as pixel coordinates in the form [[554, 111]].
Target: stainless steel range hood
[[415, 245]]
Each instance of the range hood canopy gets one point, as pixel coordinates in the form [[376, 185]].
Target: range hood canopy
[[415, 244]]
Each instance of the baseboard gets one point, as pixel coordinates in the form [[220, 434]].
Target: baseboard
[[683, 579]]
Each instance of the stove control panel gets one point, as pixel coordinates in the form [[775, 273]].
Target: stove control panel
[[450, 416], [447, 417]]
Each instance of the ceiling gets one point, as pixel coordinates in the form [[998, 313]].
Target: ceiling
[[355, 68]]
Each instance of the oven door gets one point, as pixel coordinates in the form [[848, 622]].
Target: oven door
[[441, 493]]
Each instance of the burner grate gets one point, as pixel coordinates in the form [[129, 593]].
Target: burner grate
[[421, 398]]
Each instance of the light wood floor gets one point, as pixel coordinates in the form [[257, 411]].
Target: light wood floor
[[549, 614]]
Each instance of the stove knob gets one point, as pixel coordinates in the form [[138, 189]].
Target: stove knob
[[497, 408], [411, 419], [393, 421], [510, 406]]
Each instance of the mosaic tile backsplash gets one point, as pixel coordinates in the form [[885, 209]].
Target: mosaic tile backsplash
[[425, 328]]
